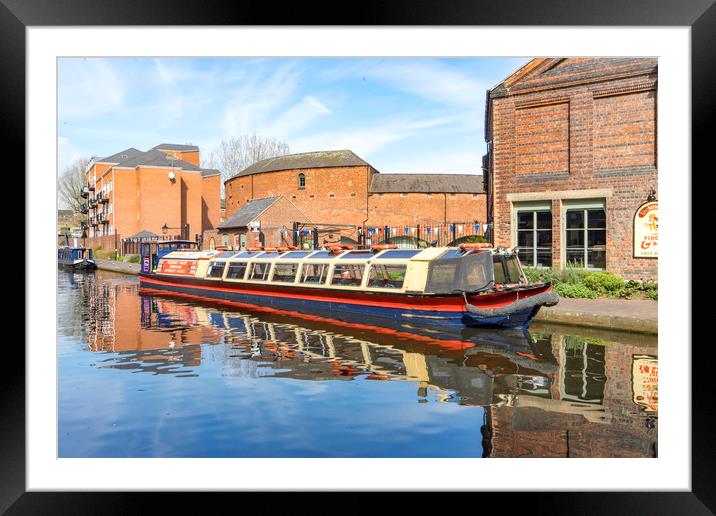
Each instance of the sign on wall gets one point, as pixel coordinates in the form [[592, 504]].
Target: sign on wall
[[646, 225], [645, 382]]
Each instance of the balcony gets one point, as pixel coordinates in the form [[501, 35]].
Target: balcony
[[85, 192]]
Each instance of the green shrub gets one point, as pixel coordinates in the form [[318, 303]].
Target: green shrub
[[102, 254], [605, 283], [576, 290], [130, 258], [653, 294], [542, 274], [573, 274]]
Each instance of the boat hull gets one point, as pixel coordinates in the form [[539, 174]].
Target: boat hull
[[444, 311], [79, 265]]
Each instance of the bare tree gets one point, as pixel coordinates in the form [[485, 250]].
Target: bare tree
[[238, 152], [71, 183]]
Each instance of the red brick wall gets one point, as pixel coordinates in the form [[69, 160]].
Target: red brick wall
[[276, 226], [339, 195], [211, 201], [542, 139], [625, 130], [605, 110], [336, 195], [422, 208]]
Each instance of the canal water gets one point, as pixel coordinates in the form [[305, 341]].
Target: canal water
[[143, 375]]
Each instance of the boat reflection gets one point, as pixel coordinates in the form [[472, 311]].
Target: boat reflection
[[545, 394]]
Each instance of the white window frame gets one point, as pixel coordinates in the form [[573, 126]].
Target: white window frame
[[581, 204], [532, 206]]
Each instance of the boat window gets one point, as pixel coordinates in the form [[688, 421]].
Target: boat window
[[360, 255], [295, 254], [452, 253], [242, 254], [314, 273], [259, 271], [501, 275], [226, 254], [266, 256], [285, 272], [216, 269], [237, 270], [469, 273], [323, 255], [399, 253], [350, 275], [386, 276], [513, 268], [441, 276]]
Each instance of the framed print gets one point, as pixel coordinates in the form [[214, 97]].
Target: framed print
[[328, 383]]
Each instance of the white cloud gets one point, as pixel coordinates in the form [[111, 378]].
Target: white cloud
[[296, 118], [89, 87], [66, 154], [443, 163], [259, 99], [366, 139]]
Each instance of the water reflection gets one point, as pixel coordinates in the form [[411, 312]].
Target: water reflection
[[545, 393]]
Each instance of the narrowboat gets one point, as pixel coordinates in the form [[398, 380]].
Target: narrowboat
[[473, 285], [76, 258]]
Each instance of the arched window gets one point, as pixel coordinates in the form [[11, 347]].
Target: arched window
[[301, 180]]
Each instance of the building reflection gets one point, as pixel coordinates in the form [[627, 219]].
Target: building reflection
[[545, 394]]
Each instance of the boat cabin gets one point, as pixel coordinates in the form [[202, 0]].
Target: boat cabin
[[437, 270], [152, 252], [73, 254]]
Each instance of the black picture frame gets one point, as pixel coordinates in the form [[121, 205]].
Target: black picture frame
[[16, 15]]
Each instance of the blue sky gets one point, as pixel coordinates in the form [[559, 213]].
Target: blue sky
[[419, 115]]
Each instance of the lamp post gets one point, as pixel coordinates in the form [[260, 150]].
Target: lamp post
[[166, 228]]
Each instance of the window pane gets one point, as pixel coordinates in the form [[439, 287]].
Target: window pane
[[525, 238], [314, 273], [597, 259], [597, 218], [526, 256], [544, 257], [386, 276], [544, 238], [525, 220], [500, 276], [215, 270], [350, 275], [575, 219], [575, 238], [513, 269], [597, 237], [544, 220], [575, 257], [236, 270], [285, 272], [259, 271]]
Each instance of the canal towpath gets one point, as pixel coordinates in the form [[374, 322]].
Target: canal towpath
[[635, 315]]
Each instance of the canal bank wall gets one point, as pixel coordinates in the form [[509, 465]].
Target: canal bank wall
[[632, 315], [123, 267]]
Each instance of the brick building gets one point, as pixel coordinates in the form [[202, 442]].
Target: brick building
[[572, 155], [338, 187], [133, 191], [259, 222]]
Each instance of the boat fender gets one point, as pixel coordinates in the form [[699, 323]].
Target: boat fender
[[549, 298], [475, 245]]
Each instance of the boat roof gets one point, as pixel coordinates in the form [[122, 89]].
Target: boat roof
[[427, 254]]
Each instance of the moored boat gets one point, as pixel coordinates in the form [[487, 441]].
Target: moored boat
[[76, 258], [473, 285]]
